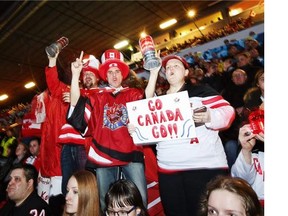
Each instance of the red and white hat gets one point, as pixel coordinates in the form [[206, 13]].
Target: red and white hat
[[90, 63], [113, 58], [169, 57]]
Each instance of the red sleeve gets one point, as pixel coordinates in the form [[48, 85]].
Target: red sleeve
[[55, 86]]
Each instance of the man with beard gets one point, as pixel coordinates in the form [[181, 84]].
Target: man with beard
[[73, 154]]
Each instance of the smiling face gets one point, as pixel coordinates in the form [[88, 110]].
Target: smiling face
[[114, 77], [224, 203], [72, 196], [176, 72]]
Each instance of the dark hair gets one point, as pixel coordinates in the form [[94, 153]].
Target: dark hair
[[133, 81], [30, 172], [254, 91], [125, 193], [38, 139], [234, 185]]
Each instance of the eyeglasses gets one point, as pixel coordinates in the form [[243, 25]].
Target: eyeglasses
[[119, 213]]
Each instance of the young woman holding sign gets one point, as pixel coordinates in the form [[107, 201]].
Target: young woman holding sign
[[187, 165]]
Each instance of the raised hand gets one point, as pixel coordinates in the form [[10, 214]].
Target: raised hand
[[77, 65]]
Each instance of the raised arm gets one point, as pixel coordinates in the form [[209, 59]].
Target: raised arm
[[76, 68], [243, 166], [54, 84], [150, 88], [247, 141], [52, 60]]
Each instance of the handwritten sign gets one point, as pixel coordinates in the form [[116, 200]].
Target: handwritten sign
[[161, 118]]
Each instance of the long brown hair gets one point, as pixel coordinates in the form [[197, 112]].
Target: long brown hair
[[88, 200]]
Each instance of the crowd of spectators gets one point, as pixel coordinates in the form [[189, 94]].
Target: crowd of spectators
[[230, 28], [235, 76]]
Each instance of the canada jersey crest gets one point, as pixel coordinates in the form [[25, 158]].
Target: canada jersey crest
[[115, 116]]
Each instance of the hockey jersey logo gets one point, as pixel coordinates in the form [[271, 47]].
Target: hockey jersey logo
[[115, 116]]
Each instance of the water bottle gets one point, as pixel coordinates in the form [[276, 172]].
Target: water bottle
[[56, 46]]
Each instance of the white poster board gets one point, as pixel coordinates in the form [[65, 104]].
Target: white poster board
[[161, 118]]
